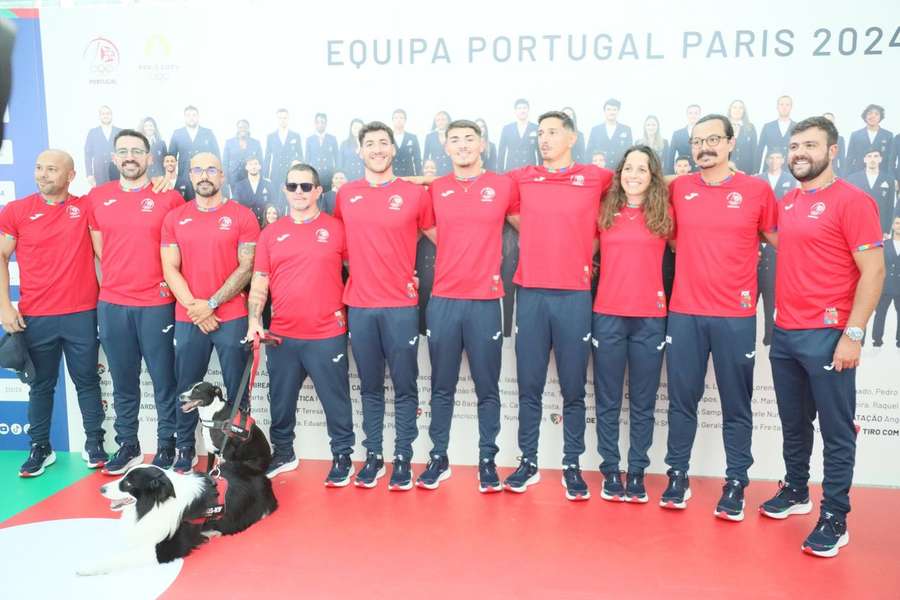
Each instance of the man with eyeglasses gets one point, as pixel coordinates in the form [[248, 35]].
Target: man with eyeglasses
[[306, 246], [135, 313], [207, 249], [383, 216], [720, 215]]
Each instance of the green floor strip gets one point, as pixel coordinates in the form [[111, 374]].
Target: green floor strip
[[20, 493]]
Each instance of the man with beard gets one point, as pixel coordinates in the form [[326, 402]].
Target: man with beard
[[238, 150], [382, 216], [135, 313], [57, 309], [207, 252], [720, 215], [830, 274], [557, 223], [470, 208], [189, 141], [98, 148]]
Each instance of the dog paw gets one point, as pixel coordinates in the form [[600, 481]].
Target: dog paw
[[212, 533]]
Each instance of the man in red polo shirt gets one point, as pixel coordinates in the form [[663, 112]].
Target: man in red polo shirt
[[57, 306], [135, 312], [207, 251], [382, 217], [470, 208], [560, 201], [719, 216], [829, 279]]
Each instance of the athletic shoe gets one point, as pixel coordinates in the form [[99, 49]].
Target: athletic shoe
[[341, 471], [731, 504], [788, 501], [186, 460], [282, 463], [94, 454], [488, 480], [401, 475], [526, 474], [678, 491], [42, 455], [438, 470], [165, 456], [828, 537], [576, 488], [371, 472], [634, 488], [612, 489], [127, 456]]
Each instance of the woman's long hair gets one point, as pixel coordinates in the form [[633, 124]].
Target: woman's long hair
[[656, 141], [656, 203]]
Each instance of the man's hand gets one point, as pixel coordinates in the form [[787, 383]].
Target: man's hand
[[199, 310], [846, 354], [254, 328], [161, 184], [209, 324], [11, 319]]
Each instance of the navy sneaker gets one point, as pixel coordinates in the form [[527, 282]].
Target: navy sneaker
[[788, 501], [42, 455], [634, 488], [612, 489], [526, 474], [282, 462], [488, 480], [401, 475], [94, 454], [576, 488], [678, 491], [341, 471], [186, 460], [828, 537], [165, 456], [438, 470], [127, 456], [731, 504], [371, 472]]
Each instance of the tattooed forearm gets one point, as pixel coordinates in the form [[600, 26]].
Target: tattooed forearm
[[259, 288], [240, 277]]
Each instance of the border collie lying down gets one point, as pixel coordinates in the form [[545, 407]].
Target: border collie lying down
[[165, 515]]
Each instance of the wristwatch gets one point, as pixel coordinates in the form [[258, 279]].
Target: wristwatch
[[214, 304], [855, 333]]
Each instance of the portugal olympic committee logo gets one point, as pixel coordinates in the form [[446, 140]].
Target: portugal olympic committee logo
[[322, 235], [101, 58], [74, 212], [395, 202], [488, 194], [225, 223], [816, 210], [147, 205], [734, 200]]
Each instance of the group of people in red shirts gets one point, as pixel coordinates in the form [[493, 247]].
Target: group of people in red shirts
[[174, 278]]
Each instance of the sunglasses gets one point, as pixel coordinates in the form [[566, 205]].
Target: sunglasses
[[304, 187]]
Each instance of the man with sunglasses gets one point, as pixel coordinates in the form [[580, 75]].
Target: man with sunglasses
[[135, 312], [306, 246], [720, 215], [382, 216], [207, 252]]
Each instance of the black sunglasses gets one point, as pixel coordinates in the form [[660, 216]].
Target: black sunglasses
[[304, 187]]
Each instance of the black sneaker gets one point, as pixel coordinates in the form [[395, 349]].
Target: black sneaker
[[186, 460], [612, 489], [438, 470], [127, 456], [371, 472], [401, 475], [165, 456], [488, 480], [282, 462], [94, 454], [42, 455], [526, 474], [678, 491], [341, 471], [576, 488], [828, 537], [634, 488], [731, 504], [788, 501]]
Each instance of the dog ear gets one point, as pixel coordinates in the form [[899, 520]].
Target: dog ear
[[218, 392]]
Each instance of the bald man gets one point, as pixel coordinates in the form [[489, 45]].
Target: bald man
[[208, 246], [57, 309], [136, 310]]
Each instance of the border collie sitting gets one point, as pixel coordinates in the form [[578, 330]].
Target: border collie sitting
[[165, 515]]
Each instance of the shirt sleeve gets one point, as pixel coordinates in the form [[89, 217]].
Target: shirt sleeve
[[8, 225], [167, 235], [337, 202], [768, 217], [514, 204], [261, 258], [860, 224], [89, 205], [249, 231], [426, 210]]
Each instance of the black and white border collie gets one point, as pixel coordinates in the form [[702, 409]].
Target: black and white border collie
[[166, 515]]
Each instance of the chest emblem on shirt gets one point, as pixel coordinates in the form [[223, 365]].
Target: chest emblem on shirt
[[447, 193], [577, 180], [74, 212], [225, 223], [36, 216], [282, 237], [355, 199], [395, 202], [185, 221], [147, 205], [488, 194], [734, 200], [109, 202], [691, 196], [816, 210], [322, 235]]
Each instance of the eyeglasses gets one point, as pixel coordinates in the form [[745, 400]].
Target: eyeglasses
[[304, 187], [123, 152], [210, 171], [712, 141]]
